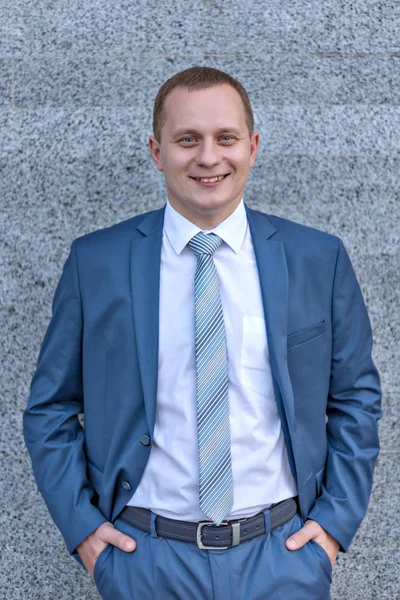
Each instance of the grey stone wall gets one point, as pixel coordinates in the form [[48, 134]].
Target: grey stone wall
[[77, 82]]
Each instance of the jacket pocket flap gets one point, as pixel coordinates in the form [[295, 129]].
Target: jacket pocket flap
[[299, 337]]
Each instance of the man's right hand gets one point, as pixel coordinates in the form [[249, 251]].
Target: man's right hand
[[95, 543]]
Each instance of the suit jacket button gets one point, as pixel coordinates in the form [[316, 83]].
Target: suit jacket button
[[126, 485], [145, 439]]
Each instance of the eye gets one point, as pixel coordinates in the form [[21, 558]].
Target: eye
[[226, 138], [188, 139]]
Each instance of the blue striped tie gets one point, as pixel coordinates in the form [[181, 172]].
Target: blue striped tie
[[215, 482]]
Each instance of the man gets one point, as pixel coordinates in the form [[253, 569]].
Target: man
[[222, 359]]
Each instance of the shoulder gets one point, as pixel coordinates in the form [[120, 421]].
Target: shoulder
[[297, 235], [296, 231], [119, 233]]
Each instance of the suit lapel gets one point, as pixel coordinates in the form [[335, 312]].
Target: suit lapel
[[274, 283], [145, 290]]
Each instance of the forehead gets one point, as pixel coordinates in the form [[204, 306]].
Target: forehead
[[219, 106]]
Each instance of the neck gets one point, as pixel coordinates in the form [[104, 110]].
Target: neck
[[205, 220]]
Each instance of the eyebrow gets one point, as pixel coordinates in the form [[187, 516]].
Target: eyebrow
[[190, 131]]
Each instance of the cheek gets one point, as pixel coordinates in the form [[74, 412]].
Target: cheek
[[242, 170], [240, 160], [172, 170], [173, 162]]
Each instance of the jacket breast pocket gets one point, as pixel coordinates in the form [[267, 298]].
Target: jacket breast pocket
[[255, 362], [305, 335]]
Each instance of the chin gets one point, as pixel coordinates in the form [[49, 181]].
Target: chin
[[211, 205]]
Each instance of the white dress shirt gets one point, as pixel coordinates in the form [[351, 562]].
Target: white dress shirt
[[260, 468]]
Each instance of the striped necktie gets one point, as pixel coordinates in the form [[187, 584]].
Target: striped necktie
[[215, 481]]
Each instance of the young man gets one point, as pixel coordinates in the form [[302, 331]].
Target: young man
[[222, 359]]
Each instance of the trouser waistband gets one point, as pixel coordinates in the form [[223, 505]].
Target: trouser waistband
[[206, 534]]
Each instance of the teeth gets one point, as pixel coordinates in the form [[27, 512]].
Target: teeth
[[210, 180]]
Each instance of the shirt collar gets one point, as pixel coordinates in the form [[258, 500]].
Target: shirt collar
[[180, 230]]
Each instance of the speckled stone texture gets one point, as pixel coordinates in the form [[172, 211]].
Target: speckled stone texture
[[5, 82], [77, 84]]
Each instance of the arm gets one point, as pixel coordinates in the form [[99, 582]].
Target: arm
[[353, 410], [53, 435]]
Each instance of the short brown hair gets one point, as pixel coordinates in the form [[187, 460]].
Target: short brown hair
[[197, 78]]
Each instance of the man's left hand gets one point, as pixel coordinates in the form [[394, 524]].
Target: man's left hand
[[311, 530]]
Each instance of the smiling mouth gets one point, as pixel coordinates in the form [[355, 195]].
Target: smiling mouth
[[210, 179]]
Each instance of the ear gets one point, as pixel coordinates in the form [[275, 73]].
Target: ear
[[254, 143], [155, 151]]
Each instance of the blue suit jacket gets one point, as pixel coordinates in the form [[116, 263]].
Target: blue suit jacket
[[99, 356]]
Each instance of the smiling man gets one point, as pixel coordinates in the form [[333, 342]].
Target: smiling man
[[222, 360], [205, 150]]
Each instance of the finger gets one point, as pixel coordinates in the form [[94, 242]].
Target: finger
[[109, 535], [309, 531]]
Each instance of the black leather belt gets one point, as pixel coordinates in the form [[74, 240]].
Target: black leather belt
[[209, 536]]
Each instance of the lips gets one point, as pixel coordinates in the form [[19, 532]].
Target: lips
[[210, 182], [211, 178]]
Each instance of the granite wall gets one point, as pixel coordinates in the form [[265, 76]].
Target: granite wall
[[77, 82]]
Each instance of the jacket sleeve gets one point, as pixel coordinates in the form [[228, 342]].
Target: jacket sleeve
[[354, 406], [52, 432]]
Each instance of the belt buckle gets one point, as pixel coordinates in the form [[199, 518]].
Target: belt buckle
[[200, 544]]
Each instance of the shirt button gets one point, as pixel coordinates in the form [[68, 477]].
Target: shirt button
[[126, 485], [145, 439]]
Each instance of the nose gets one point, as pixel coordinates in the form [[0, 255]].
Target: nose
[[208, 154]]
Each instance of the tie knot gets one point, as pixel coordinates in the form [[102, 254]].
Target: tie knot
[[205, 243]]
